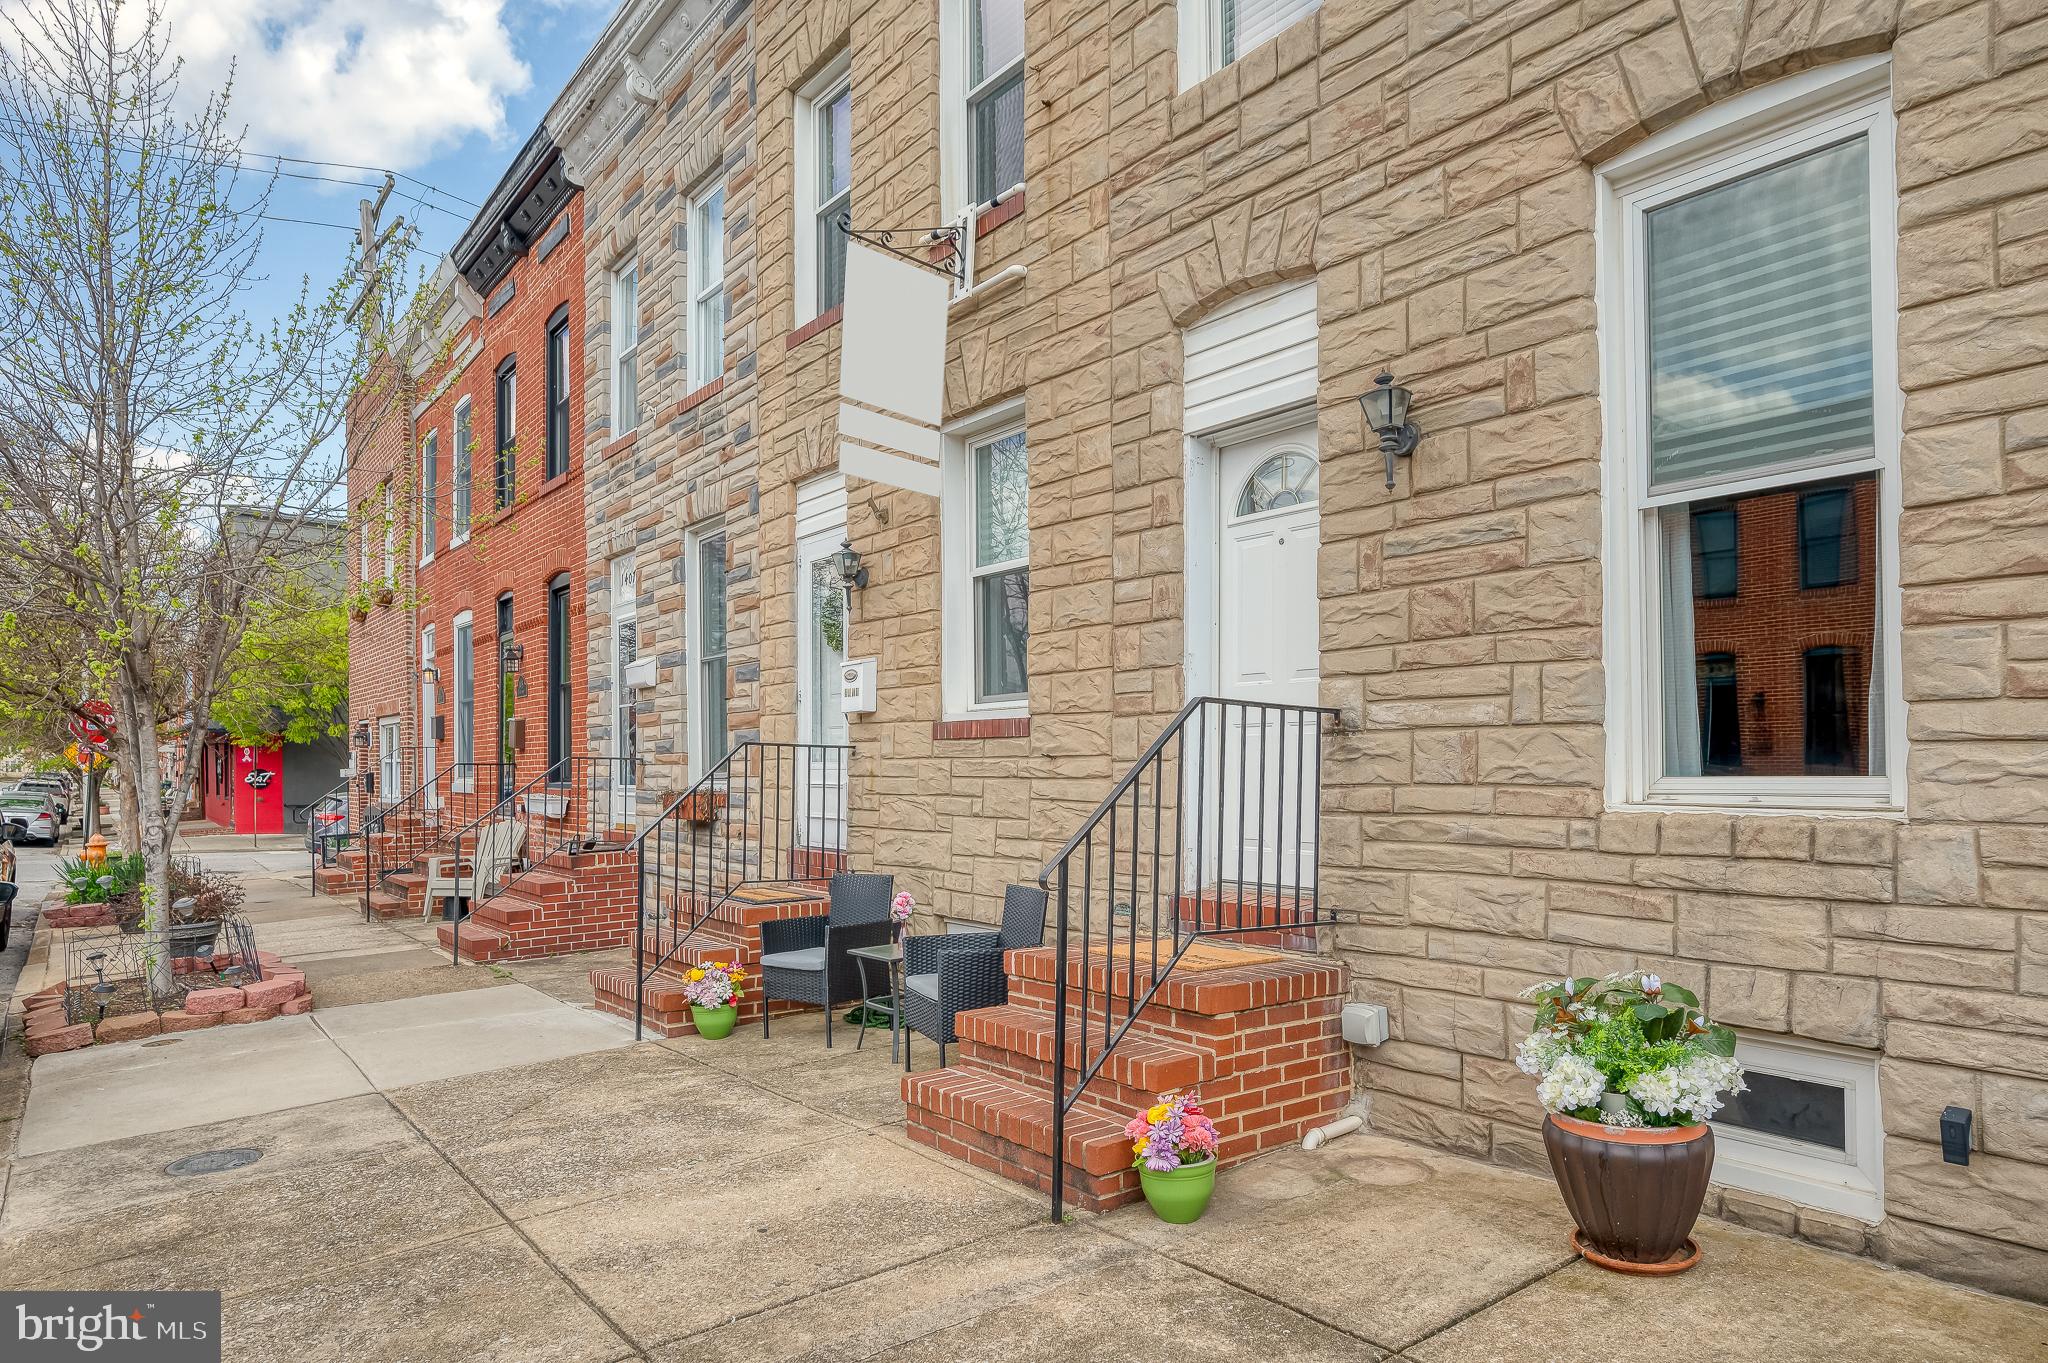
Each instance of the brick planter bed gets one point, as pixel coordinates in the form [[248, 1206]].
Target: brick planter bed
[[281, 992]]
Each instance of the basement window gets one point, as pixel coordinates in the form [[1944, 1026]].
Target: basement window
[[1808, 1130]]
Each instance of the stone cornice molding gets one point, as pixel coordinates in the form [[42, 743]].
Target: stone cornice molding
[[627, 68]]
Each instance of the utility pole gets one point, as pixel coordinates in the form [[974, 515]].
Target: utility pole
[[368, 304]]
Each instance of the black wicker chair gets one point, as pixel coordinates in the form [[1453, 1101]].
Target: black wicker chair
[[804, 960], [947, 974]]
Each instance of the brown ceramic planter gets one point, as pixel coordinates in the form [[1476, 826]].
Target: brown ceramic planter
[[1635, 1193]]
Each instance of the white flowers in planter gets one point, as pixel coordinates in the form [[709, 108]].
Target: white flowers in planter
[[1628, 1050]]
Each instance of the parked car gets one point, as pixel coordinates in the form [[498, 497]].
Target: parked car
[[56, 787], [31, 816]]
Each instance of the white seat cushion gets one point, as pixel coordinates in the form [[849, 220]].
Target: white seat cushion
[[808, 958], [927, 985]]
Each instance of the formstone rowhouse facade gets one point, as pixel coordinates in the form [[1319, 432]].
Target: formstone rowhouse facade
[[657, 128], [1640, 266], [1702, 632]]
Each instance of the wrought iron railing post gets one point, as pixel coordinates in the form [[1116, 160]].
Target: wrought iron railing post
[[639, 937], [1059, 1053]]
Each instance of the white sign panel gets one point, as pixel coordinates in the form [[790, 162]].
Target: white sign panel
[[892, 359]]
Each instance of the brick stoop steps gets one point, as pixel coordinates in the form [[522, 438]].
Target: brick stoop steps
[[1260, 1041], [573, 901], [733, 931]]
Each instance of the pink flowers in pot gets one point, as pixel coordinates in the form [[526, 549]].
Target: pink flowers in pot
[[1175, 1131], [901, 908], [714, 984]]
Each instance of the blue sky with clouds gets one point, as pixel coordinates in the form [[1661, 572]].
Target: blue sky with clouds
[[442, 90]]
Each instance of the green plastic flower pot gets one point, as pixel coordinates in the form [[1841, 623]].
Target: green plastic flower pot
[[715, 1023], [1179, 1195]]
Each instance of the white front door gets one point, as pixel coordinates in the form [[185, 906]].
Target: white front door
[[428, 754], [820, 650], [1268, 651], [625, 651]]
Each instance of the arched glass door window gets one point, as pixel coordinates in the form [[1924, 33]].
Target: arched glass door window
[[1282, 481]]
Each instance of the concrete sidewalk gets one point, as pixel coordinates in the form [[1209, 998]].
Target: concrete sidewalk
[[755, 1200]]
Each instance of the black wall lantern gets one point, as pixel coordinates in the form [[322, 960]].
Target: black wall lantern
[[847, 560], [1386, 412], [512, 655], [363, 734]]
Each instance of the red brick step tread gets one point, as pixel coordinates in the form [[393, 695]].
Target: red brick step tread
[[1140, 1061], [1017, 1113]]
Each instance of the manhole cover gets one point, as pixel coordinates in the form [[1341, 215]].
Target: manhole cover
[[212, 1162]]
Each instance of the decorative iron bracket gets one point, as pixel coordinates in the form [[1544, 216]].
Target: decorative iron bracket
[[883, 238]]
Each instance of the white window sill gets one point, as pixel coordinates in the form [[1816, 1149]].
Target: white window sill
[[952, 716], [1807, 797]]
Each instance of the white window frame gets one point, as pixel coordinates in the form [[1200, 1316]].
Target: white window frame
[[1201, 39], [957, 96], [430, 707], [461, 475], [430, 491], [704, 366], [625, 339], [817, 94], [1852, 1182], [1738, 137], [625, 610], [390, 756], [363, 542], [390, 532], [957, 577], [462, 690], [693, 620]]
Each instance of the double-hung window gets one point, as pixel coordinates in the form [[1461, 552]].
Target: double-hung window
[[556, 458], [1749, 318], [1215, 33], [459, 476], [465, 698], [390, 757], [986, 533], [363, 542], [712, 737], [390, 533], [508, 403], [707, 287], [625, 350], [824, 188], [430, 492], [984, 99]]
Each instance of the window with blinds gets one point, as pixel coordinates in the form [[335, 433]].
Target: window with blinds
[[1247, 23], [1759, 321], [1753, 437]]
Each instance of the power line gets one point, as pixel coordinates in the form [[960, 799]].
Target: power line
[[241, 152]]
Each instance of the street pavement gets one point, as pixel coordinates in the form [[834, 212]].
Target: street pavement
[[467, 1163]]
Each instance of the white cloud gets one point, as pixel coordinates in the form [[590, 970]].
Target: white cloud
[[377, 82]]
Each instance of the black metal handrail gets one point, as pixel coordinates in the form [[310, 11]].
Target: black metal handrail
[[434, 794], [751, 819], [1217, 829], [320, 842], [562, 810]]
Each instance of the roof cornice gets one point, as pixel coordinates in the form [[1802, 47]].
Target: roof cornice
[[623, 75]]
